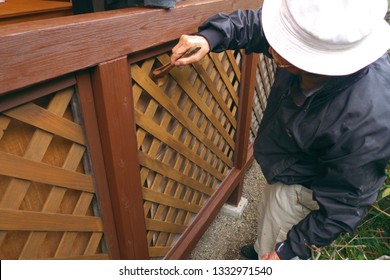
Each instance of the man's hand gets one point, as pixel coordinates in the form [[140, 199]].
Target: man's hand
[[270, 256], [185, 43]]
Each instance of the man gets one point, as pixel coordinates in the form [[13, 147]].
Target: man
[[324, 140]]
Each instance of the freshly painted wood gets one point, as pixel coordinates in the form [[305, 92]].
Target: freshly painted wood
[[169, 172], [169, 139], [14, 11], [157, 94], [114, 107], [22, 96], [27, 49], [85, 93], [247, 89], [164, 226], [153, 196], [188, 88]]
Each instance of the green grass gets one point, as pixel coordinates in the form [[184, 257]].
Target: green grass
[[371, 240]]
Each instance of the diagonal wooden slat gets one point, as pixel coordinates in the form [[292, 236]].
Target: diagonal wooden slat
[[15, 166], [170, 140], [86, 257], [155, 252], [218, 65], [164, 226], [93, 244], [265, 69], [270, 63], [216, 93], [45, 120], [157, 197], [4, 122], [162, 212], [147, 111], [165, 238], [173, 174], [173, 214], [235, 66], [35, 239], [17, 189], [68, 238], [200, 69], [34, 221], [169, 144], [158, 95], [152, 106], [187, 87]]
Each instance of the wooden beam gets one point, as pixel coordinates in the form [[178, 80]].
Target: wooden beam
[[34, 92], [40, 50]]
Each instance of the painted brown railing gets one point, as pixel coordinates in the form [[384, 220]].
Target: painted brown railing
[[93, 55]]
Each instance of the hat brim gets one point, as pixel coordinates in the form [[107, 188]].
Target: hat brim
[[319, 59]]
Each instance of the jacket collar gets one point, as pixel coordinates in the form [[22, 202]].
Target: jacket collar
[[324, 90]]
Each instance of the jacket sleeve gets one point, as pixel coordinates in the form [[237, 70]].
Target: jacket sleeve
[[240, 30], [343, 203]]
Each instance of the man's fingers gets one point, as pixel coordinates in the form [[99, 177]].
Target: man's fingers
[[265, 256], [186, 43], [191, 59]]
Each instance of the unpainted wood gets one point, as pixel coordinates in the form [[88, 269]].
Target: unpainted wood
[[34, 221], [41, 118], [21, 168]]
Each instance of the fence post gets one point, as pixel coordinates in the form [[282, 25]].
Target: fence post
[[115, 114], [246, 93], [85, 94]]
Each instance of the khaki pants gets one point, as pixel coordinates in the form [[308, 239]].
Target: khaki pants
[[281, 206]]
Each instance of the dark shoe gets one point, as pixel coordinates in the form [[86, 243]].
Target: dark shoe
[[248, 251]]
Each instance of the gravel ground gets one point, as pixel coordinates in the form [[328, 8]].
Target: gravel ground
[[226, 234]]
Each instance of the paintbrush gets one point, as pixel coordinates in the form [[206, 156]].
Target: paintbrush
[[160, 73]]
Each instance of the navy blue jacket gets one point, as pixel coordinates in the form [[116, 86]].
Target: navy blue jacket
[[336, 143]]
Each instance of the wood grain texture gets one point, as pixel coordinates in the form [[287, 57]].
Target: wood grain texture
[[84, 89], [15, 166], [35, 221], [114, 107], [157, 93], [44, 49], [45, 120]]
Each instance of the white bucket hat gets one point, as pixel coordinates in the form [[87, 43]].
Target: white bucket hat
[[328, 37]]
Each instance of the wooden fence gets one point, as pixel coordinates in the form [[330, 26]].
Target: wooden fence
[[98, 161]]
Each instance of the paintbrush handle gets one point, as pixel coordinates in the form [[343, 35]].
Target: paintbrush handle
[[161, 71]]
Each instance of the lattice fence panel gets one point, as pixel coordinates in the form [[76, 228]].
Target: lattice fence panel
[[47, 206], [185, 133], [264, 79]]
